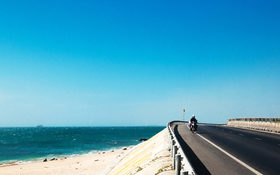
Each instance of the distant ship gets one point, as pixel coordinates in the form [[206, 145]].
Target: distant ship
[[39, 126]]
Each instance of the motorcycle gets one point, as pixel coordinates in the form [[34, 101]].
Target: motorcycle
[[193, 126]]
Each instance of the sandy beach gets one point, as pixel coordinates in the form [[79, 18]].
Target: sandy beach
[[149, 157], [84, 164]]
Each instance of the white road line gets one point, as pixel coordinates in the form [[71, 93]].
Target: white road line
[[231, 156], [228, 154], [257, 138]]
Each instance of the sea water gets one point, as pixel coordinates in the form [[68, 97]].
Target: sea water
[[28, 143]]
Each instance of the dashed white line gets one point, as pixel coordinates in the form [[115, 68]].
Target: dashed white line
[[257, 138], [231, 156]]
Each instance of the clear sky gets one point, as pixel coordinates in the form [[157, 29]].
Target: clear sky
[[136, 62]]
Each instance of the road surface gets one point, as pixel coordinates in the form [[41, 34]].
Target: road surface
[[256, 150]]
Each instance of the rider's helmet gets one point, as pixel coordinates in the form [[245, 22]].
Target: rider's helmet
[[193, 116]]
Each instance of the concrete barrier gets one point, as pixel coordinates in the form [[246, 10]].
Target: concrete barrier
[[265, 124], [180, 162]]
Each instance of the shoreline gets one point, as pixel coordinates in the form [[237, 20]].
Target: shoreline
[[31, 144], [99, 163], [60, 157], [148, 157]]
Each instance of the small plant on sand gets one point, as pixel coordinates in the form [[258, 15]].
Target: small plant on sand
[[165, 168], [159, 171], [139, 169]]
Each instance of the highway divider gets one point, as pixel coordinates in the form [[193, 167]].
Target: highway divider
[[265, 124], [180, 162]]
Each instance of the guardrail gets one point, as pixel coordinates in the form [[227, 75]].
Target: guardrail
[[266, 124], [180, 162]]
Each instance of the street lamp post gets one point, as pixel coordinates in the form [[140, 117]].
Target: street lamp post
[[184, 114]]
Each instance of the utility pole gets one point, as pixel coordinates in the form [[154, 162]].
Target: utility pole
[[184, 114]]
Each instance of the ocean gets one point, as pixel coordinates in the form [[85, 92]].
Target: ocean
[[30, 143]]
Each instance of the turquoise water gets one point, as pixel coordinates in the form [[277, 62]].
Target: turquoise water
[[27, 143]]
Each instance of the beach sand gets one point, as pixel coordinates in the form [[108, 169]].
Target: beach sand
[[83, 165], [149, 157]]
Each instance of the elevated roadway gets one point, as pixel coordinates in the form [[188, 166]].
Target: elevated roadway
[[217, 149]]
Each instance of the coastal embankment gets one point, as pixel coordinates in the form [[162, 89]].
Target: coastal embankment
[[149, 157]]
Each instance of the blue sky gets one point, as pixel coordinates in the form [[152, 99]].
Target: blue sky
[[96, 63]]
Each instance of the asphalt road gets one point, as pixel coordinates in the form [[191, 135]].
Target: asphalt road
[[258, 150]]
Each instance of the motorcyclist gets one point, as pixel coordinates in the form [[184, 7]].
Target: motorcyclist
[[193, 120]]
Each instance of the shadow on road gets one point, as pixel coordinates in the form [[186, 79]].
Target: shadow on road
[[197, 165]]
